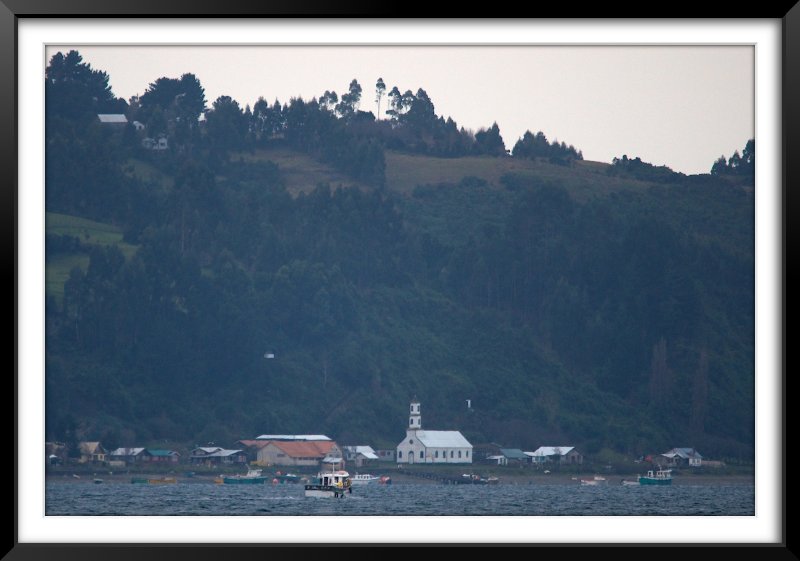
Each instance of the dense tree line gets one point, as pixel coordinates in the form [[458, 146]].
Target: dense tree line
[[537, 146], [743, 165], [636, 168], [623, 322]]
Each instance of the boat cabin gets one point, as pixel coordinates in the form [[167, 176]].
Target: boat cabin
[[339, 479]]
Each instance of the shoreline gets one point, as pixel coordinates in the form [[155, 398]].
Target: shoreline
[[406, 478]]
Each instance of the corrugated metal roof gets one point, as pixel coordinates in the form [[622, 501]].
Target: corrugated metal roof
[[513, 453], [112, 118], [206, 449], [317, 449], [224, 453], [292, 437], [365, 451], [552, 450], [684, 453], [162, 452], [127, 451], [442, 439]]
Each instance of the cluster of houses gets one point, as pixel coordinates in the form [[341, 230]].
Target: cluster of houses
[[120, 120], [420, 446]]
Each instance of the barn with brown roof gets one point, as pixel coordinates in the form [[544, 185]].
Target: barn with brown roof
[[296, 453]]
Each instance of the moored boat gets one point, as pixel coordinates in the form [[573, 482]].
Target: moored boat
[[162, 481], [364, 479], [596, 480], [658, 477], [334, 484], [153, 481], [286, 478], [252, 477]]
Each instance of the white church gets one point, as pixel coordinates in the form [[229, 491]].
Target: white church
[[431, 446]]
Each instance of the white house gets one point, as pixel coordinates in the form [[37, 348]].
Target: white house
[[556, 454], [431, 446], [160, 143], [683, 456], [359, 456]]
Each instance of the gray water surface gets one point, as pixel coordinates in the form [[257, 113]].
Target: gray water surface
[[196, 499]]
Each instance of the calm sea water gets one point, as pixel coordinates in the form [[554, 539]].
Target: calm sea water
[[208, 499]]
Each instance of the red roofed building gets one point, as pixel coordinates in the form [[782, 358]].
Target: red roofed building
[[296, 453], [252, 447]]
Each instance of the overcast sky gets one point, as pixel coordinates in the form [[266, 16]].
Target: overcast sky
[[680, 106]]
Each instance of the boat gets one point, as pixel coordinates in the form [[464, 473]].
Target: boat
[[476, 479], [159, 481], [596, 480], [336, 484], [364, 479], [286, 478], [629, 482], [162, 481], [658, 477], [385, 480], [97, 480], [252, 477]]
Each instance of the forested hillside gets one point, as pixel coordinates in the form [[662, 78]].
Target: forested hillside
[[608, 306]]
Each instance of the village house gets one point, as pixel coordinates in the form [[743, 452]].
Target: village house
[[555, 454], [514, 456], [252, 446], [431, 446], [215, 456], [128, 455], [359, 456], [155, 143], [682, 457], [91, 452], [162, 456]]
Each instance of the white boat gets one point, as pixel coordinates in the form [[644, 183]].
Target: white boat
[[364, 479], [596, 480], [335, 484], [660, 477]]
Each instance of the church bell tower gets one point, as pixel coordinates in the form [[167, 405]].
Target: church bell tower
[[415, 416]]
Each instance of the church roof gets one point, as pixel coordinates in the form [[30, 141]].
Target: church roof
[[442, 439]]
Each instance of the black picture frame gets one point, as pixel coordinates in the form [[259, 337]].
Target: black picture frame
[[12, 10]]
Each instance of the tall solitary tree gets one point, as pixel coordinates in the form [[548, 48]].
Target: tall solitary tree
[[380, 90]]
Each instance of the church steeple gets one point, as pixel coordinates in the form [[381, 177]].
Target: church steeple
[[415, 416]]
